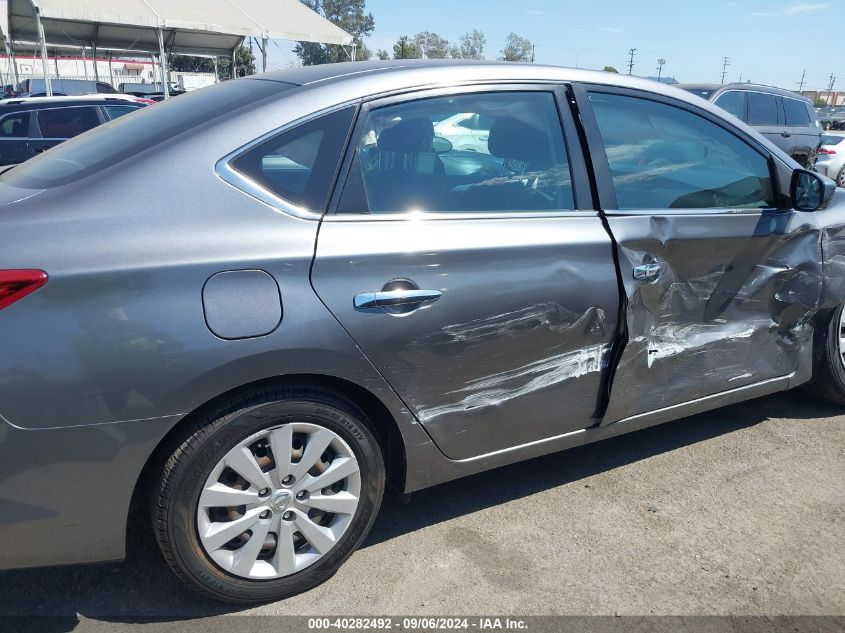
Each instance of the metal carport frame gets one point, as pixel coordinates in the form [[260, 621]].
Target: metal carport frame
[[214, 28]]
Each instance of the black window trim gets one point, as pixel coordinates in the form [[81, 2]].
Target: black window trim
[[581, 188], [604, 182]]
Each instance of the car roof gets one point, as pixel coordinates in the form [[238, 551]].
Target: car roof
[[412, 73], [763, 88]]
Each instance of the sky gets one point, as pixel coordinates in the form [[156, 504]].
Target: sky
[[768, 41]]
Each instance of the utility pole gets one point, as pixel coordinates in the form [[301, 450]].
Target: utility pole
[[830, 88], [801, 83], [660, 64], [533, 46], [726, 61], [631, 52]]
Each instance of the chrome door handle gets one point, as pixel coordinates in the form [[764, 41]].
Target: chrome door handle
[[647, 272], [394, 298]]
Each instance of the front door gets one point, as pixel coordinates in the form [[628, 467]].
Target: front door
[[719, 281], [470, 280]]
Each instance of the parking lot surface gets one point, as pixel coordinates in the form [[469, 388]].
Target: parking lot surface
[[737, 511]]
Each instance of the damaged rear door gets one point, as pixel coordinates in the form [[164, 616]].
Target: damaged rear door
[[481, 284], [720, 282]]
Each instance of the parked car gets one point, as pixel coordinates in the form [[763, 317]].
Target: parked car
[[327, 303], [466, 131], [37, 87], [30, 126], [785, 118], [831, 118], [149, 90], [830, 160]]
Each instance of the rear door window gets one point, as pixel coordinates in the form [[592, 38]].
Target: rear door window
[[67, 122], [762, 109], [409, 158], [795, 113], [15, 125]]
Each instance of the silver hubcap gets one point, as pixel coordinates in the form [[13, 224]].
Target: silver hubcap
[[279, 501]]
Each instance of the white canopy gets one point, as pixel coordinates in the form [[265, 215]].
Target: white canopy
[[188, 27]]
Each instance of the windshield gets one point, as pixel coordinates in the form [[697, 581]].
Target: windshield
[[128, 136]]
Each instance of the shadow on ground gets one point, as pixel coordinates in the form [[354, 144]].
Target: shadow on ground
[[142, 586]]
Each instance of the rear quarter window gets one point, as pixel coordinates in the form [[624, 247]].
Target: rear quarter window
[[299, 164]]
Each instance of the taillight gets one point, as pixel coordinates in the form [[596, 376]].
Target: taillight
[[16, 284], [826, 152]]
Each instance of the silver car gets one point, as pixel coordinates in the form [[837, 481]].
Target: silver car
[[830, 158], [246, 311]]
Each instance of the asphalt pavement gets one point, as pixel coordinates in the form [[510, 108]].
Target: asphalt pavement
[[740, 511]]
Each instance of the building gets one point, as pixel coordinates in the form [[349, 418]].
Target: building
[[114, 71], [831, 98]]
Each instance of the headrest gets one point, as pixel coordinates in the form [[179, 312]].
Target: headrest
[[511, 138], [407, 137]]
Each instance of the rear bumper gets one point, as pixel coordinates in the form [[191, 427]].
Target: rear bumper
[[65, 493]]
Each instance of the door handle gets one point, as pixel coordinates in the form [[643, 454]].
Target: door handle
[[39, 150], [394, 298], [648, 272], [785, 134]]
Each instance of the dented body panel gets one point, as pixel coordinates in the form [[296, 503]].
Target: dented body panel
[[515, 349], [731, 306]]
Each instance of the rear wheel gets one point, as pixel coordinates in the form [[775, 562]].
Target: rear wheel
[[267, 498], [840, 177], [829, 375]]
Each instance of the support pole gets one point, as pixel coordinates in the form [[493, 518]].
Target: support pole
[[235, 62], [264, 41], [47, 85], [162, 58], [111, 73], [216, 74], [353, 50], [14, 64], [94, 55], [84, 63]]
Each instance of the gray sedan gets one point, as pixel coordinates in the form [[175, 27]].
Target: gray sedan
[[243, 313]]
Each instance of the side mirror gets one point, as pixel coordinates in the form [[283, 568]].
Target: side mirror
[[810, 191], [441, 145]]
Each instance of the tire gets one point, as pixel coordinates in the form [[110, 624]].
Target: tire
[[840, 178], [188, 522], [825, 126], [828, 381]]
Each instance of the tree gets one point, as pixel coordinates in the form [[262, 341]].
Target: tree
[[404, 48], [383, 54], [431, 45], [351, 17], [517, 49], [187, 63], [820, 102], [610, 69], [470, 46]]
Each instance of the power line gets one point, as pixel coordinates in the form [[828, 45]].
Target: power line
[[801, 83], [726, 61], [830, 88], [631, 52], [660, 64]]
